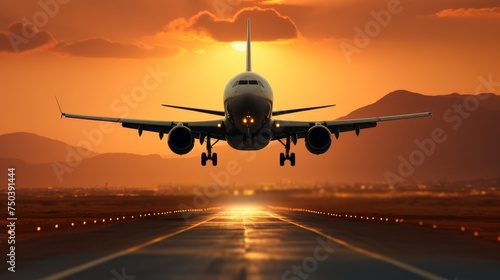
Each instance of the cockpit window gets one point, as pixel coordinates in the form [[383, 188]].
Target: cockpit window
[[248, 82]]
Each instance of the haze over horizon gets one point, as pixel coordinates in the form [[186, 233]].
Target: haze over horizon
[[453, 145]]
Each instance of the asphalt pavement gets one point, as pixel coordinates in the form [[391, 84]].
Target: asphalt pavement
[[255, 243]]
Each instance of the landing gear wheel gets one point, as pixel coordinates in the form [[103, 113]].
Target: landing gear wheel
[[204, 159], [208, 155], [287, 156], [214, 159]]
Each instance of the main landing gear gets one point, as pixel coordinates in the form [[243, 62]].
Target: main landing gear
[[209, 155], [287, 155]]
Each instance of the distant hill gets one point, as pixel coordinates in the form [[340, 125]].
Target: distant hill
[[32, 148], [466, 125], [469, 125]]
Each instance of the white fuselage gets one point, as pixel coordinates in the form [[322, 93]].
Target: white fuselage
[[248, 103]]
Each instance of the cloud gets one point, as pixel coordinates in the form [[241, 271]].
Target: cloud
[[267, 25], [469, 12], [22, 37], [104, 48]]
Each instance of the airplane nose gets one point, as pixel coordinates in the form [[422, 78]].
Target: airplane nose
[[248, 100]]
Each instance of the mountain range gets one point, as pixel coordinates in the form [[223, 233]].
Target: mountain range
[[460, 141]]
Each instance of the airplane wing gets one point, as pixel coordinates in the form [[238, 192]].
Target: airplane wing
[[199, 128], [284, 128]]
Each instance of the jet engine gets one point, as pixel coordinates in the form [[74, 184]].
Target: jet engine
[[318, 139], [180, 140]]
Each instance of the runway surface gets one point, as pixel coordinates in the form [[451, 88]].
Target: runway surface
[[255, 243]]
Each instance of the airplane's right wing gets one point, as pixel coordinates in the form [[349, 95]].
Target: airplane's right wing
[[199, 129]]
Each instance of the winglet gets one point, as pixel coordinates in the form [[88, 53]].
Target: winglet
[[59, 106], [249, 53]]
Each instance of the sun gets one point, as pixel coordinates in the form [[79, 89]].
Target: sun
[[240, 46]]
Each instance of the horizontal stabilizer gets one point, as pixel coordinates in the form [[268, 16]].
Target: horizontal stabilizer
[[284, 112], [211, 112]]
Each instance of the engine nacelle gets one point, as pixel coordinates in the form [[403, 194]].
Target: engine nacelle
[[318, 139], [180, 140]]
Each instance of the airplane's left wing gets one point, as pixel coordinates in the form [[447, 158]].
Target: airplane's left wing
[[284, 128]]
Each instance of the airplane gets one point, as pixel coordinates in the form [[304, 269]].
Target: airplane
[[247, 122]]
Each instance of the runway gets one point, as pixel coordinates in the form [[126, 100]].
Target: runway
[[255, 243]]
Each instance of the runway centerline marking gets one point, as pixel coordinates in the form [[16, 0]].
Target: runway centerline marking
[[101, 260], [399, 264]]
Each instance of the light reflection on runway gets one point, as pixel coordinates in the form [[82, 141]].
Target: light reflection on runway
[[245, 243], [242, 243]]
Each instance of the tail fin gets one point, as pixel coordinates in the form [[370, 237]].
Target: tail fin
[[249, 53]]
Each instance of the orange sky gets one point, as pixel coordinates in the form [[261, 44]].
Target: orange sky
[[98, 56]]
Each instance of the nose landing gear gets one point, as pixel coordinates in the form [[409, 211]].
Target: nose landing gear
[[287, 155]]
